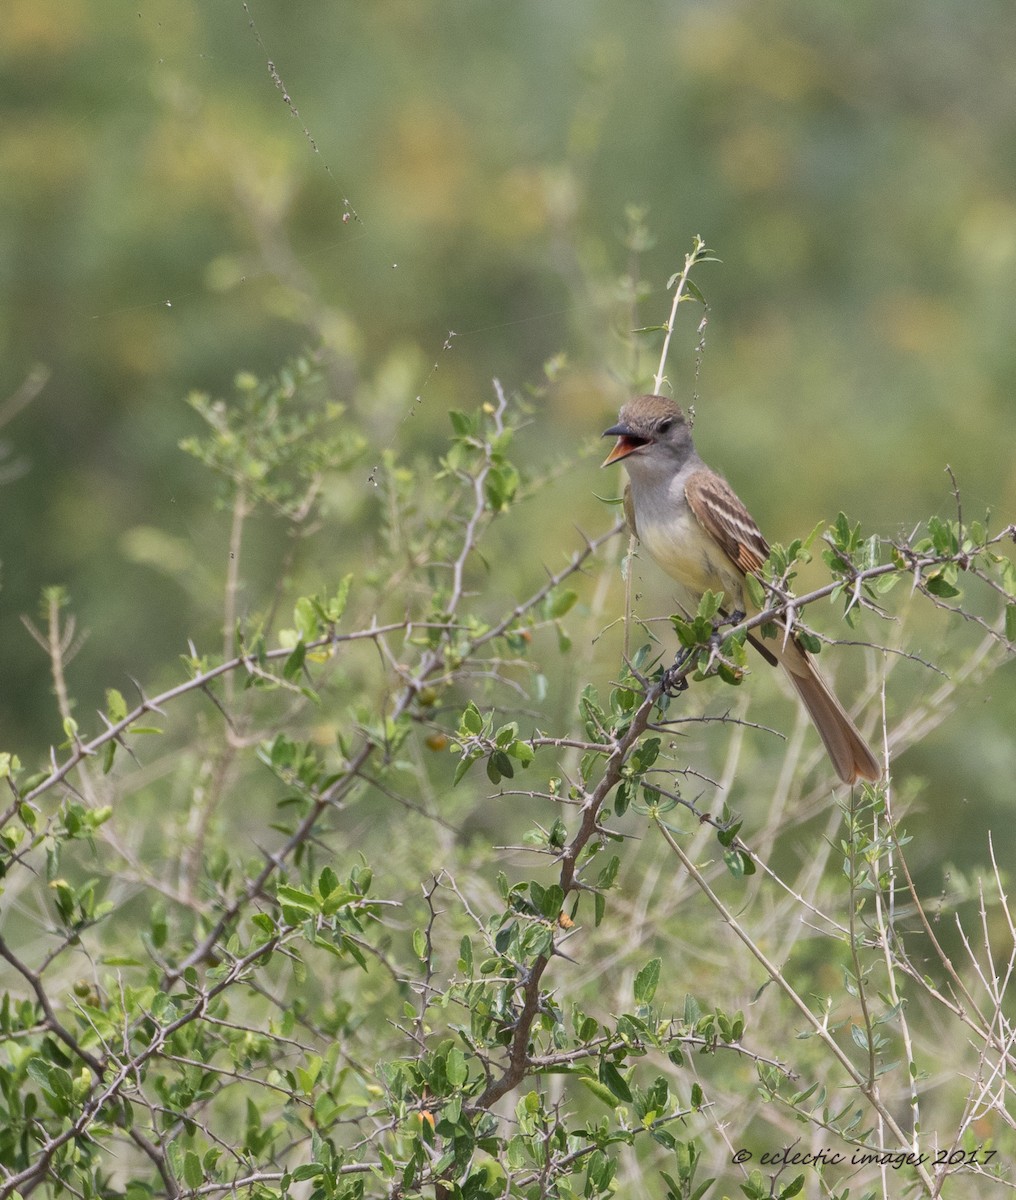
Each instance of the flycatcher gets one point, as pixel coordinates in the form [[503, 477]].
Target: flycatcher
[[699, 532]]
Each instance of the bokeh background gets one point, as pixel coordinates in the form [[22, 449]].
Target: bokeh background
[[191, 189]]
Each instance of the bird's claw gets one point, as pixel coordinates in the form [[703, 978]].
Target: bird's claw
[[674, 679]]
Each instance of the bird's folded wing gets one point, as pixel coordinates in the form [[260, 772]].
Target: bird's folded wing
[[722, 515]]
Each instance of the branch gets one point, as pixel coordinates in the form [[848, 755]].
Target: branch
[[860, 1081]]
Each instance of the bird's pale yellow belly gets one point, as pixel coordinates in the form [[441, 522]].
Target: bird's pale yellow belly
[[689, 556]]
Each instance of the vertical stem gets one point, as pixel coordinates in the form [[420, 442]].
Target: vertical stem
[[853, 901], [886, 918], [240, 511], [61, 648], [56, 646], [629, 566], [698, 248]]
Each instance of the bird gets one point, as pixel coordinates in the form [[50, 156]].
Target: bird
[[697, 530]]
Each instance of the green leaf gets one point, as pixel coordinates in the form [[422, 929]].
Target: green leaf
[[563, 601], [809, 641], [647, 980], [506, 735], [499, 766], [737, 864], [709, 605], [465, 763], [327, 882], [455, 1067], [193, 1175], [522, 752], [940, 586], [38, 1069], [297, 896], [608, 874], [311, 1170], [462, 425], [1010, 622], [466, 955], [337, 604], [305, 618], [551, 902], [500, 486], [612, 1078], [756, 592], [731, 829], [622, 797], [598, 1090], [296, 905], [588, 1028], [294, 663], [692, 288], [472, 721], [645, 754]]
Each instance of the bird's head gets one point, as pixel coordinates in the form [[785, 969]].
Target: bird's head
[[649, 427]]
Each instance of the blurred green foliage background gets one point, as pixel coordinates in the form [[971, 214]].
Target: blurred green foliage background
[[191, 189]]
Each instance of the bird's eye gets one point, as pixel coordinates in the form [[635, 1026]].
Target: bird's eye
[[665, 425]]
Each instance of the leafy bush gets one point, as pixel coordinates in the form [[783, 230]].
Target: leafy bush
[[420, 892]]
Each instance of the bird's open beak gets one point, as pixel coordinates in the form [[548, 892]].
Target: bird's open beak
[[626, 443]]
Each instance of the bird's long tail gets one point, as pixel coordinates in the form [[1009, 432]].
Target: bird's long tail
[[848, 751]]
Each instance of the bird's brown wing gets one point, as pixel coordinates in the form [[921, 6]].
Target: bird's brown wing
[[722, 515], [726, 520]]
